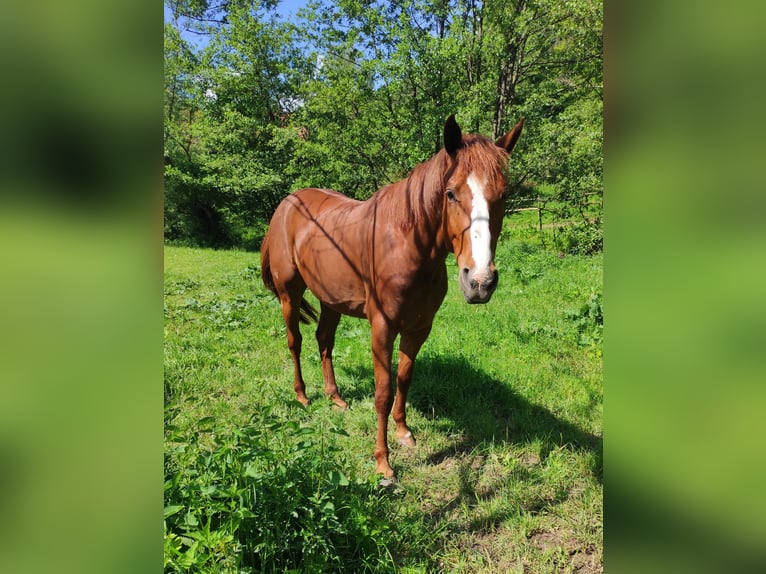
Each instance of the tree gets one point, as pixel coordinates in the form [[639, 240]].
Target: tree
[[226, 105], [356, 92]]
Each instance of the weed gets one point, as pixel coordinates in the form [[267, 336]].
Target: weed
[[589, 321], [268, 496]]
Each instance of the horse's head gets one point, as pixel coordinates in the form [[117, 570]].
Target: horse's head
[[474, 204]]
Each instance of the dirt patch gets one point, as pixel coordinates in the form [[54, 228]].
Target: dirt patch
[[468, 493], [587, 563], [489, 553], [446, 465], [545, 540], [530, 459], [457, 477], [582, 559]]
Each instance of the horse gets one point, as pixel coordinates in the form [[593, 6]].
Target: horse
[[384, 260]]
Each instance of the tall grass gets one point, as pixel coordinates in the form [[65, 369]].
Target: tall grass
[[505, 405]]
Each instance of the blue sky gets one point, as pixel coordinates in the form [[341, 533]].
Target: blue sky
[[290, 7], [285, 8]]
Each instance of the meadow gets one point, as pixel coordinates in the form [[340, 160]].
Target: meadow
[[506, 406]]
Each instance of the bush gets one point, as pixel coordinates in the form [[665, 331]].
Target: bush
[[268, 497], [580, 239]]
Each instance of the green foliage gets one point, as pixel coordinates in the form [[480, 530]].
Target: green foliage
[[267, 496], [227, 148], [351, 95], [589, 320], [582, 239], [568, 157], [579, 239]]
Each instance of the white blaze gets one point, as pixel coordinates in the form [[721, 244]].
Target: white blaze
[[480, 236]]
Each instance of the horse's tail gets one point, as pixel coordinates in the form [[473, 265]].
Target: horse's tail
[[308, 312], [266, 276]]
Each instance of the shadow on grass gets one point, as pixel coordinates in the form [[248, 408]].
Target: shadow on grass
[[482, 408], [476, 409]]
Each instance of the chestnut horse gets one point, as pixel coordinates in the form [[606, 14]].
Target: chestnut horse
[[384, 260]]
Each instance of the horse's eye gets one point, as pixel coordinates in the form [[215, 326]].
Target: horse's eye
[[451, 194]]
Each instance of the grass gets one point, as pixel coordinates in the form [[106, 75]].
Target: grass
[[506, 406]]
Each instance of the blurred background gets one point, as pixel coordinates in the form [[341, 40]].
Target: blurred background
[[80, 286], [685, 312], [81, 232]]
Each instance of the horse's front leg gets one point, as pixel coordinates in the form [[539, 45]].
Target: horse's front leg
[[409, 346], [383, 336]]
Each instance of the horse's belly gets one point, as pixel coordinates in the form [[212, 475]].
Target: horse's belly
[[342, 298], [338, 284], [352, 308]]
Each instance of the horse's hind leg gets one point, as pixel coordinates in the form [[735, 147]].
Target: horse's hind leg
[[291, 302], [328, 324]]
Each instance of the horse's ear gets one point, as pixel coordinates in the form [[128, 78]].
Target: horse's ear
[[508, 141], [453, 137]]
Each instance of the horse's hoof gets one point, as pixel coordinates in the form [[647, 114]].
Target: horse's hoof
[[407, 440], [340, 405], [388, 482], [389, 486]]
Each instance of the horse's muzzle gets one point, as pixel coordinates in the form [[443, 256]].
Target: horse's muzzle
[[478, 287]]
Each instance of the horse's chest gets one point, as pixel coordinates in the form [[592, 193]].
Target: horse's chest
[[411, 296]]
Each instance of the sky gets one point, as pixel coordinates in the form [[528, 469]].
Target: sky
[[290, 7], [285, 8]]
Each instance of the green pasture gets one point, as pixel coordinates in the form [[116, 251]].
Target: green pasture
[[506, 406]]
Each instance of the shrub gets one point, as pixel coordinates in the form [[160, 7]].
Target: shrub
[[580, 239], [268, 497]]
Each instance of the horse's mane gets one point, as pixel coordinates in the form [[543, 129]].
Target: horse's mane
[[413, 199]]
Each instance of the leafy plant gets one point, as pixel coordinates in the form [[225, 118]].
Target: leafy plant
[[268, 496], [580, 239], [589, 321]]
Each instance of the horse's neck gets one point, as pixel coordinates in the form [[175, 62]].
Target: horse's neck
[[426, 212]]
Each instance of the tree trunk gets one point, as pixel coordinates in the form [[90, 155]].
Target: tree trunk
[[506, 92]]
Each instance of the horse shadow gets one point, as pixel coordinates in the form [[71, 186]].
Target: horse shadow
[[482, 408]]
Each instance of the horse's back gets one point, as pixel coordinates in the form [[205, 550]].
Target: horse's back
[[320, 200], [314, 212]]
